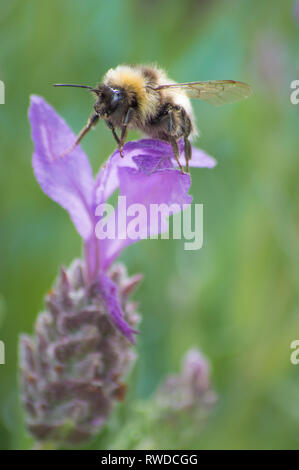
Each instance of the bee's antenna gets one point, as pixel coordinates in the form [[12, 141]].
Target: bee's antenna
[[76, 86]]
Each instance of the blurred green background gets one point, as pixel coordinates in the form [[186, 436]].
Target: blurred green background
[[237, 297]]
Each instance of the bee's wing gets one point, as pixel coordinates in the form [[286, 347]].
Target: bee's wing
[[216, 92]]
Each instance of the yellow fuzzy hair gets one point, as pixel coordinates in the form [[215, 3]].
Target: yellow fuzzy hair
[[133, 80]]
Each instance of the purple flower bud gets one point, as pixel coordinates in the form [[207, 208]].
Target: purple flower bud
[[190, 390], [72, 370]]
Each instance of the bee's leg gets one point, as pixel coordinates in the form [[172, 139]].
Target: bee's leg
[[173, 140], [111, 126], [188, 152], [124, 130], [176, 151], [91, 122]]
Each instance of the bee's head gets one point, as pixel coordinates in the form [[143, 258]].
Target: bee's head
[[108, 100]]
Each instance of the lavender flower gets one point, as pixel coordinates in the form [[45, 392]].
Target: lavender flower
[[190, 391], [72, 370], [177, 411]]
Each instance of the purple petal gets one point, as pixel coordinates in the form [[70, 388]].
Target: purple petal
[[149, 164], [109, 292], [92, 256], [167, 186], [148, 155], [163, 150], [107, 180], [200, 159], [67, 180], [152, 151]]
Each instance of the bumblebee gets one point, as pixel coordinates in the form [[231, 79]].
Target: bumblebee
[[144, 98]]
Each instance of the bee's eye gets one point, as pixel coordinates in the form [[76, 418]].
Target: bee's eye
[[116, 97]]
